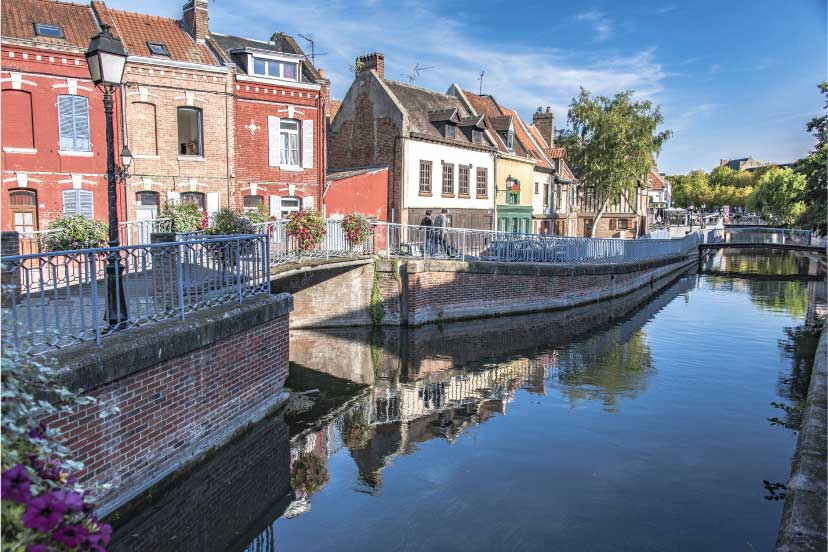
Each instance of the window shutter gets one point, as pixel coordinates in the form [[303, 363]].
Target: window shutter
[[86, 204], [173, 197], [70, 202], [66, 122], [81, 117], [213, 202], [273, 141], [276, 206], [307, 144]]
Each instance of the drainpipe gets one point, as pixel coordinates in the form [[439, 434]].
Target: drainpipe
[[494, 190]]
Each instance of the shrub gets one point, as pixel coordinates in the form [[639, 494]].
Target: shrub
[[308, 227], [226, 222], [308, 473], [43, 506], [258, 216], [75, 232], [184, 217], [357, 228]]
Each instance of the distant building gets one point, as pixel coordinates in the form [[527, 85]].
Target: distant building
[[744, 164], [659, 190]]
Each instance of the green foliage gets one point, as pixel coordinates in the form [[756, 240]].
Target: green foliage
[[692, 190], [184, 217], [308, 227], [376, 308], [75, 232], [813, 168], [357, 228], [778, 194], [309, 473], [258, 216], [226, 222], [612, 142]]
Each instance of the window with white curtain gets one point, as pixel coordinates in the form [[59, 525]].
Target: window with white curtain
[[289, 142]]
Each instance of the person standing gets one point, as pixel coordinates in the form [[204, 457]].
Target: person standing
[[441, 224], [428, 233]]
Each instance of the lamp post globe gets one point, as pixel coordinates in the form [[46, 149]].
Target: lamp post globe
[[106, 58]]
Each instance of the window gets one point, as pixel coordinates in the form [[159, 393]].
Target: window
[[158, 49], [272, 68], [425, 177], [623, 224], [18, 125], [587, 227], [253, 204], [290, 205], [537, 188], [463, 179], [509, 139], [558, 197], [146, 199], [449, 130], [482, 182], [512, 191], [196, 198], [289, 142], [477, 136], [52, 31], [78, 202], [23, 206], [73, 121], [448, 179], [189, 131]]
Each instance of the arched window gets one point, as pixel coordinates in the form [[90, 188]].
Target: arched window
[[143, 129], [190, 132], [23, 206], [290, 205], [196, 198], [253, 203], [18, 125]]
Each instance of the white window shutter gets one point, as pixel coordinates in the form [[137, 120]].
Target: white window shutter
[[81, 123], [273, 141], [307, 144], [213, 202], [276, 206], [70, 202], [86, 204], [307, 202], [66, 122]]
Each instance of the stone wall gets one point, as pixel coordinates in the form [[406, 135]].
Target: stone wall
[[180, 389]]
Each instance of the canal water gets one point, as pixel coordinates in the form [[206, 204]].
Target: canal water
[[662, 423]]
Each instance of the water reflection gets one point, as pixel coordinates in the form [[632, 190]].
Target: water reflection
[[767, 263]]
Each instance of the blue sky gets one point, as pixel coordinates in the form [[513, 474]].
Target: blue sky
[[733, 77]]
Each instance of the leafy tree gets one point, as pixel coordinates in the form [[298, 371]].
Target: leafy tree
[[778, 195], [746, 179], [721, 176], [612, 144], [813, 168]]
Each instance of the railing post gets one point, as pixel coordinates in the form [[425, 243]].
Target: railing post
[[463, 247], [179, 258], [238, 267], [96, 314], [10, 277]]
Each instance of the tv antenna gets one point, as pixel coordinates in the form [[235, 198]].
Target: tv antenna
[[309, 38], [412, 78], [480, 78]]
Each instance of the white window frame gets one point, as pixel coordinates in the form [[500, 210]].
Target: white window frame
[[282, 63], [74, 141], [285, 158], [288, 206]]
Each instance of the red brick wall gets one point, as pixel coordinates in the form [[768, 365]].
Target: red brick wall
[[169, 411]]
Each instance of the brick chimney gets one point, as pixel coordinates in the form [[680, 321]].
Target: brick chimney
[[196, 20], [374, 60], [545, 123]]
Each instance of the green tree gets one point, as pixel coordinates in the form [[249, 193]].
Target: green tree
[[813, 168], [721, 176], [612, 144], [778, 195]]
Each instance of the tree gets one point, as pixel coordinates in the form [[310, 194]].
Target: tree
[[813, 169], [721, 176], [612, 144], [778, 195]]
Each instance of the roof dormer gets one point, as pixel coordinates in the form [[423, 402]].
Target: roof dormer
[[505, 128], [446, 121]]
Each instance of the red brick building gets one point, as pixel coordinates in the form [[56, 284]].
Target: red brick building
[[280, 104], [363, 191], [53, 128]]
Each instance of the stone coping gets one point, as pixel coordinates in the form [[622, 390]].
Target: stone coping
[[803, 525], [86, 366]]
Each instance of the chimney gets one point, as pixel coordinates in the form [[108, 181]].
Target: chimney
[[196, 20], [545, 123], [374, 60]]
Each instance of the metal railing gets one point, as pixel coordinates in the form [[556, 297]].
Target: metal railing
[[760, 235], [52, 300], [136, 232], [288, 249], [401, 240]]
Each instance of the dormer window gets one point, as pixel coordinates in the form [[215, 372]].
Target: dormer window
[[263, 67], [509, 139], [448, 130], [158, 49], [477, 136], [52, 31]]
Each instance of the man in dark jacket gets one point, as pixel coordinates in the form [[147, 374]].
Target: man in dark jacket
[[428, 234]]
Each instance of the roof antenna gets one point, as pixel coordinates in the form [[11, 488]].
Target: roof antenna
[[480, 78], [312, 42], [412, 78]]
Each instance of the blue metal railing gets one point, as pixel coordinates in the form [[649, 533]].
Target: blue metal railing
[[53, 300]]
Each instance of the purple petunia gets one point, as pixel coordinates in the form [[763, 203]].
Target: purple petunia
[[71, 536], [71, 499], [100, 537], [37, 547], [38, 432], [43, 513], [16, 484]]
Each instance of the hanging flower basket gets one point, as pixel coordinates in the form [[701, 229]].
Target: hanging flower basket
[[357, 229], [308, 228]]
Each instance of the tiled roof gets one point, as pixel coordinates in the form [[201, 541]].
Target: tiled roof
[[136, 29], [564, 171], [419, 103], [522, 135], [76, 20], [557, 153], [348, 173], [655, 180]]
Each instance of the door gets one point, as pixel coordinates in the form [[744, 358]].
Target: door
[[23, 207], [146, 210]]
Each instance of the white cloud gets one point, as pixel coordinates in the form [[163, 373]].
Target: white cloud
[[601, 24]]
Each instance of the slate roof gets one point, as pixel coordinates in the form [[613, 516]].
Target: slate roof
[[76, 20], [136, 29], [348, 173], [279, 43]]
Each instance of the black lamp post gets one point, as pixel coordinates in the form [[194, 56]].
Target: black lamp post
[[106, 58]]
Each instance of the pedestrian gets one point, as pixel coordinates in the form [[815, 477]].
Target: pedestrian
[[441, 223], [428, 233]]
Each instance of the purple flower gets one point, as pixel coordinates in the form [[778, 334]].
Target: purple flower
[[38, 432], [38, 547], [71, 499], [16, 484], [100, 537], [43, 513], [70, 535]]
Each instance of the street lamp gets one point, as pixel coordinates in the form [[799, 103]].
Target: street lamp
[[106, 58]]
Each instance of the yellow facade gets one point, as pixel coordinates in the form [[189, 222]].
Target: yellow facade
[[514, 212]]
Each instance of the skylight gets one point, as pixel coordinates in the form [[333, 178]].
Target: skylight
[[52, 31], [158, 49]]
